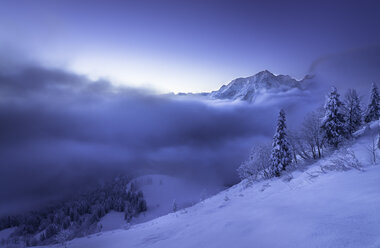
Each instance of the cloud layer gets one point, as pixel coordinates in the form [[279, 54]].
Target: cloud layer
[[356, 68], [60, 132]]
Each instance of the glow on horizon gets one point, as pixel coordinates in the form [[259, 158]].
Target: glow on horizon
[[162, 76]]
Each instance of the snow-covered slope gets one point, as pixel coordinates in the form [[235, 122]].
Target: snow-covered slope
[[313, 209], [111, 221], [5, 233], [247, 89], [161, 192]]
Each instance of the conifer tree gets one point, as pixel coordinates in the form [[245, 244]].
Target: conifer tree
[[373, 109], [333, 123], [281, 156], [352, 111]]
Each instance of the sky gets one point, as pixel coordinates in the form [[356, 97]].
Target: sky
[[79, 83], [185, 46]]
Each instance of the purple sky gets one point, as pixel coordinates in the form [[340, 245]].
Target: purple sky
[[61, 131], [185, 45]]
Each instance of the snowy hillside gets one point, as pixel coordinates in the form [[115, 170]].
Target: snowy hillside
[[5, 233], [161, 193], [247, 89], [310, 208]]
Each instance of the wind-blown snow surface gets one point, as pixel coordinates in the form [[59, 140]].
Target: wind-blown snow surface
[[336, 209]]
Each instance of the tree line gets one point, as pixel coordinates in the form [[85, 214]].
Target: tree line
[[76, 217], [326, 128]]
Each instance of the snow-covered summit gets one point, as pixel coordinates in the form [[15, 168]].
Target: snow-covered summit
[[247, 89]]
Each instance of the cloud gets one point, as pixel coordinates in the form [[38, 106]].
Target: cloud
[[356, 68], [61, 132]]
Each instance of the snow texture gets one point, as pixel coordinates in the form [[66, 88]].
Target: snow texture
[[311, 208]]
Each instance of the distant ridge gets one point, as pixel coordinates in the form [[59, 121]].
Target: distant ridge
[[246, 89]]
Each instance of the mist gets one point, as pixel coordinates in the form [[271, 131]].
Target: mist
[[61, 133], [355, 68]]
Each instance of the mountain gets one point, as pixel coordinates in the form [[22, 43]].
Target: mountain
[[247, 89], [311, 207]]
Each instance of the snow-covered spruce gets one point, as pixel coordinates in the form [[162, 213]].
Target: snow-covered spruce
[[333, 123], [281, 156], [373, 109], [352, 111]]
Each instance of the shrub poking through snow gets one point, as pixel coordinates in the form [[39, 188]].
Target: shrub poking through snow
[[373, 146], [258, 165], [62, 237], [175, 207], [343, 160]]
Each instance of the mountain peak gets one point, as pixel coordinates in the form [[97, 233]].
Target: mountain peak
[[265, 73], [248, 88]]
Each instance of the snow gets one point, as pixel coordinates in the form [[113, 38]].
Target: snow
[[309, 208], [160, 192], [4, 234], [112, 220], [313, 209]]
